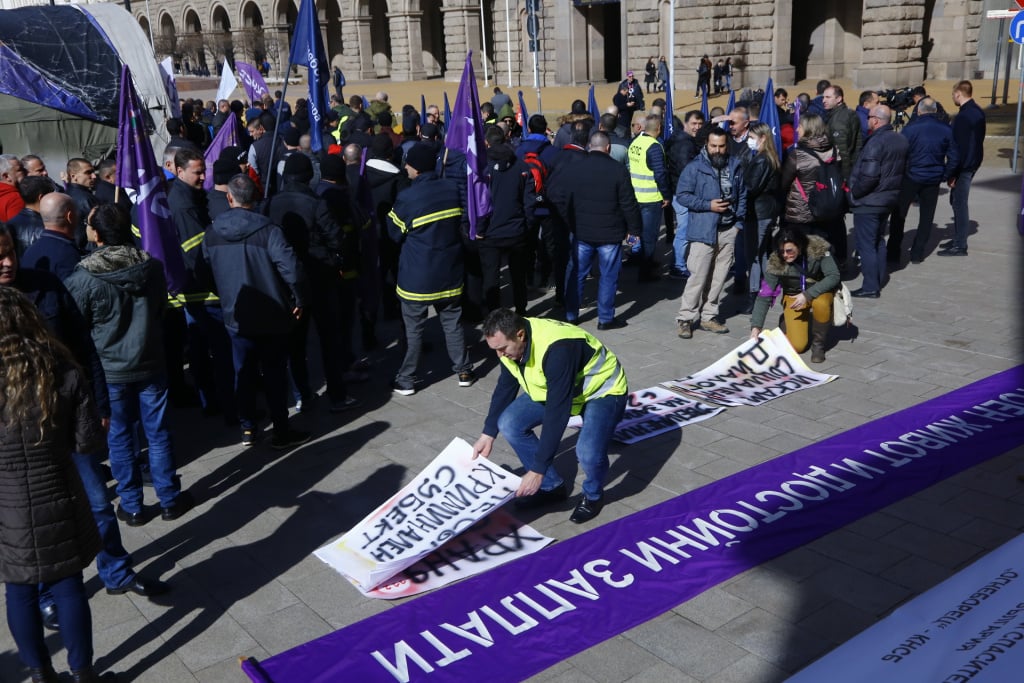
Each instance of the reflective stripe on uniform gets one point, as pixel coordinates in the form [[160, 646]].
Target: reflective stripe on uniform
[[431, 296], [436, 216], [192, 242]]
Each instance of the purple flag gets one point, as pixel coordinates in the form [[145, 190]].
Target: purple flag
[[466, 135], [522, 112], [227, 136], [252, 81], [137, 170]]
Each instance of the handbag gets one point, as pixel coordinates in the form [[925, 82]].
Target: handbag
[[842, 306]]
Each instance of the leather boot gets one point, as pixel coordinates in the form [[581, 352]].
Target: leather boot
[[819, 336], [45, 674]]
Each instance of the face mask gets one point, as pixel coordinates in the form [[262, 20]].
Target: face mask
[[752, 144]]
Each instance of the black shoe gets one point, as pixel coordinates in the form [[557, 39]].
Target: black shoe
[[865, 294], [50, 621], [289, 438], [44, 675], [182, 504], [952, 251], [676, 274], [916, 259], [586, 510], [542, 498], [132, 518], [347, 403], [467, 378], [141, 586], [947, 244], [613, 324]]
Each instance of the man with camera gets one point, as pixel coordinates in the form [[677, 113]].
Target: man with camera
[[712, 190]]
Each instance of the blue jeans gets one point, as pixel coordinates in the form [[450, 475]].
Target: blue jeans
[[609, 261], [144, 401], [870, 233], [961, 213], [113, 562], [650, 214], [209, 356], [600, 416], [680, 242], [26, 623], [266, 354]]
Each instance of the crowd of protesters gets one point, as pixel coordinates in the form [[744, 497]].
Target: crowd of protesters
[[275, 237]]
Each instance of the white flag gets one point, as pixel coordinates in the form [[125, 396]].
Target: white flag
[[173, 102], [228, 82]]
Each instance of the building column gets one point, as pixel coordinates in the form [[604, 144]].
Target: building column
[[406, 46], [782, 71], [891, 37], [952, 49], [461, 20], [357, 48]]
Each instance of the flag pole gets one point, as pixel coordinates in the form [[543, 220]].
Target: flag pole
[[483, 41], [277, 124]]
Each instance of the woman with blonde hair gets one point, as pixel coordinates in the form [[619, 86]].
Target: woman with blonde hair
[[47, 531], [762, 179]]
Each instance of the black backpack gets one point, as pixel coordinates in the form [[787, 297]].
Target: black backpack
[[827, 201]]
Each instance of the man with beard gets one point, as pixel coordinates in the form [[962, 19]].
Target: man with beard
[[712, 190]]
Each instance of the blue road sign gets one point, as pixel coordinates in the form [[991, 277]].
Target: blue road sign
[[1017, 28]]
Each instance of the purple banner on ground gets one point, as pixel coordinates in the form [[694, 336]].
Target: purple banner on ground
[[521, 618]]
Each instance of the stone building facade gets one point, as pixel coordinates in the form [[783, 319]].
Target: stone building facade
[[872, 42]]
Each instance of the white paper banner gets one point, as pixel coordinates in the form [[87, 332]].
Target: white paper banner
[[496, 539], [451, 494], [756, 371], [968, 628]]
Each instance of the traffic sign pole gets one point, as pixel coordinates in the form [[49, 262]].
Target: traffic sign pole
[[999, 52], [1017, 35]]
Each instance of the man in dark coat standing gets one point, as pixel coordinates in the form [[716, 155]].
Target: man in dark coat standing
[[928, 140], [598, 203], [966, 154], [81, 180], [874, 189]]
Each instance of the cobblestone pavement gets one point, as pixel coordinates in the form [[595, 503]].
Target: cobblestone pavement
[[245, 582]]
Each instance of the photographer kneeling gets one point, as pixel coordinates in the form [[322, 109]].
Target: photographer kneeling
[[802, 269]]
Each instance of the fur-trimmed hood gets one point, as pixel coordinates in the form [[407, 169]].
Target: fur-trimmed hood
[[817, 249]]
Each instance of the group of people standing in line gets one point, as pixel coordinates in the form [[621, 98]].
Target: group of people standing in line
[[92, 346]]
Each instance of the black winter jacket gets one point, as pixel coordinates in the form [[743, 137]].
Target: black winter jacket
[[47, 531], [597, 200], [310, 228], [257, 274], [513, 198], [878, 173], [191, 217], [762, 183]]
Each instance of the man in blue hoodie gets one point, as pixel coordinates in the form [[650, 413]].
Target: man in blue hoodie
[[929, 139]]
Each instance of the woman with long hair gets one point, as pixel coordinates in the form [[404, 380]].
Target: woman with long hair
[[47, 531], [762, 179], [800, 173], [803, 272], [650, 73]]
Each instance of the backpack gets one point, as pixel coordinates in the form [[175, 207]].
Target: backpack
[[539, 172], [828, 199]]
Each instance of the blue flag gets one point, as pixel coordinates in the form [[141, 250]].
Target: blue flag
[[669, 126], [592, 105], [138, 171], [731, 104], [423, 110], [770, 114], [308, 49], [704, 109], [366, 105], [522, 112], [466, 135], [447, 111]]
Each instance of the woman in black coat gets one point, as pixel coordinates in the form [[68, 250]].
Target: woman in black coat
[[650, 73], [762, 177], [47, 531]]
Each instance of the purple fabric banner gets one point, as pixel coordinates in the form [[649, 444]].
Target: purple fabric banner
[[466, 135], [137, 170], [252, 81], [521, 618], [227, 136]]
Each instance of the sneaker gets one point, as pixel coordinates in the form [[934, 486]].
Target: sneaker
[[248, 437], [347, 403], [467, 378], [403, 388], [685, 329], [676, 274], [289, 438], [713, 326]]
